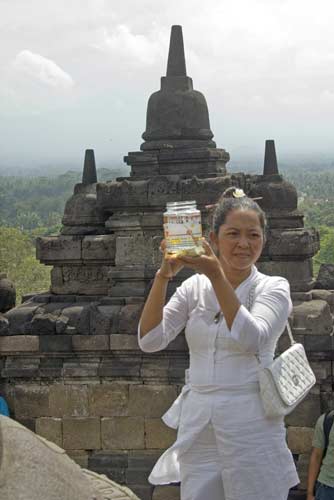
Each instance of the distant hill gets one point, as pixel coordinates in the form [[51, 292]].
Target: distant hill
[[30, 202]]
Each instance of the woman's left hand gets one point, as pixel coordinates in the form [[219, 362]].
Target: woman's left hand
[[207, 263]]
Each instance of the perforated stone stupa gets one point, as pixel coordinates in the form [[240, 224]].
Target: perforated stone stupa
[[71, 367]]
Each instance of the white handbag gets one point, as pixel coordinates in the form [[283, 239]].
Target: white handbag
[[287, 380]]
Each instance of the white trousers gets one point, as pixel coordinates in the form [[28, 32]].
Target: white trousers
[[201, 472]]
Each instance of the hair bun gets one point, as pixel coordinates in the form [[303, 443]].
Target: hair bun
[[233, 192]]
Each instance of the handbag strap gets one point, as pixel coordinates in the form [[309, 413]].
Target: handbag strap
[[249, 305]]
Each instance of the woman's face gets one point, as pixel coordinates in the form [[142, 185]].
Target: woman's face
[[240, 240]]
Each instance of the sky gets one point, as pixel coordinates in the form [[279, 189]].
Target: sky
[[77, 74]]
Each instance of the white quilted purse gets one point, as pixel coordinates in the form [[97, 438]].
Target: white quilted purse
[[287, 380]]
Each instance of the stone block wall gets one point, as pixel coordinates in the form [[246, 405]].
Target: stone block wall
[[99, 397], [105, 423], [73, 373]]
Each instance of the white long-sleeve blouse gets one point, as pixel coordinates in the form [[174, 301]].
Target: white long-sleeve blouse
[[220, 356]]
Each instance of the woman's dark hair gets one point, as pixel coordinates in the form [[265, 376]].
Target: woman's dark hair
[[235, 199]]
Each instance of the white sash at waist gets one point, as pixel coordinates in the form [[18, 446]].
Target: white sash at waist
[[173, 414]]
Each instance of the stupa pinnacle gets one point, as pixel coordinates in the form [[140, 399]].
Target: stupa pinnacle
[[177, 115], [270, 161], [89, 171], [176, 65]]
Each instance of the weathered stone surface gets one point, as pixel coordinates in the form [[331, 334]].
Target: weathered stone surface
[[303, 464], [320, 343], [132, 250], [108, 400], [325, 277], [90, 343], [178, 344], [327, 399], [110, 459], [89, 175], [77, 315], [52, 249], [298, 273], [129, 318], [177, 367], [104, 319], [143, 459], [4, 325], [80, 457], [81, 209], [123, 342], [20, 317], [154, 369], [81, 368], [205, 191], [292, 242], [43, 324], [29, 423], [157, 434], [122, 433], [55, 343], [120, 366], [81, 433], [275, 193], [16, 366], [99, 248], [7, 293], [150, 400], [32, 400], [314, 316], [176, 112], [166, 493], [51, 367], [300, 439], [322, 370], [61, 323], [121, 194], [137, 476], [68, 401], [162, 189], [85, 280], [24, 453], [51, 429], [144, 492], [112, 464], [306, 413], [326, 295], [19, 343]]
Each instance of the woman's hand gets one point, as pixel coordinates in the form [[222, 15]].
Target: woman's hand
[[207, 263], [170, 266]]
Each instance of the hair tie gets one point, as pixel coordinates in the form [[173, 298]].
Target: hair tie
[[238, 193]]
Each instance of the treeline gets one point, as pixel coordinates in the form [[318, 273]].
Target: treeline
[[30, 203], [36, 202]]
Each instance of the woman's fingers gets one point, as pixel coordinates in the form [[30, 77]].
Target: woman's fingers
[[163, 246], [207, 247]]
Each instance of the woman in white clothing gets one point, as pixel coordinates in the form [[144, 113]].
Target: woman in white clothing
[[226, 448]]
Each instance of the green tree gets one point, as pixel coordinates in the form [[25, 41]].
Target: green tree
[[17, 259], [326, 252]]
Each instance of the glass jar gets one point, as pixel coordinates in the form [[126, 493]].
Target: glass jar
[[183, 228]]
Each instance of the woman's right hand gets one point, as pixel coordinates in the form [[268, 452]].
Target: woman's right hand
[[170, 265]]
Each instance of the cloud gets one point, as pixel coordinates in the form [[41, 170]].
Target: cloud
[[265, 67], [120, 41], [41, 69]]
